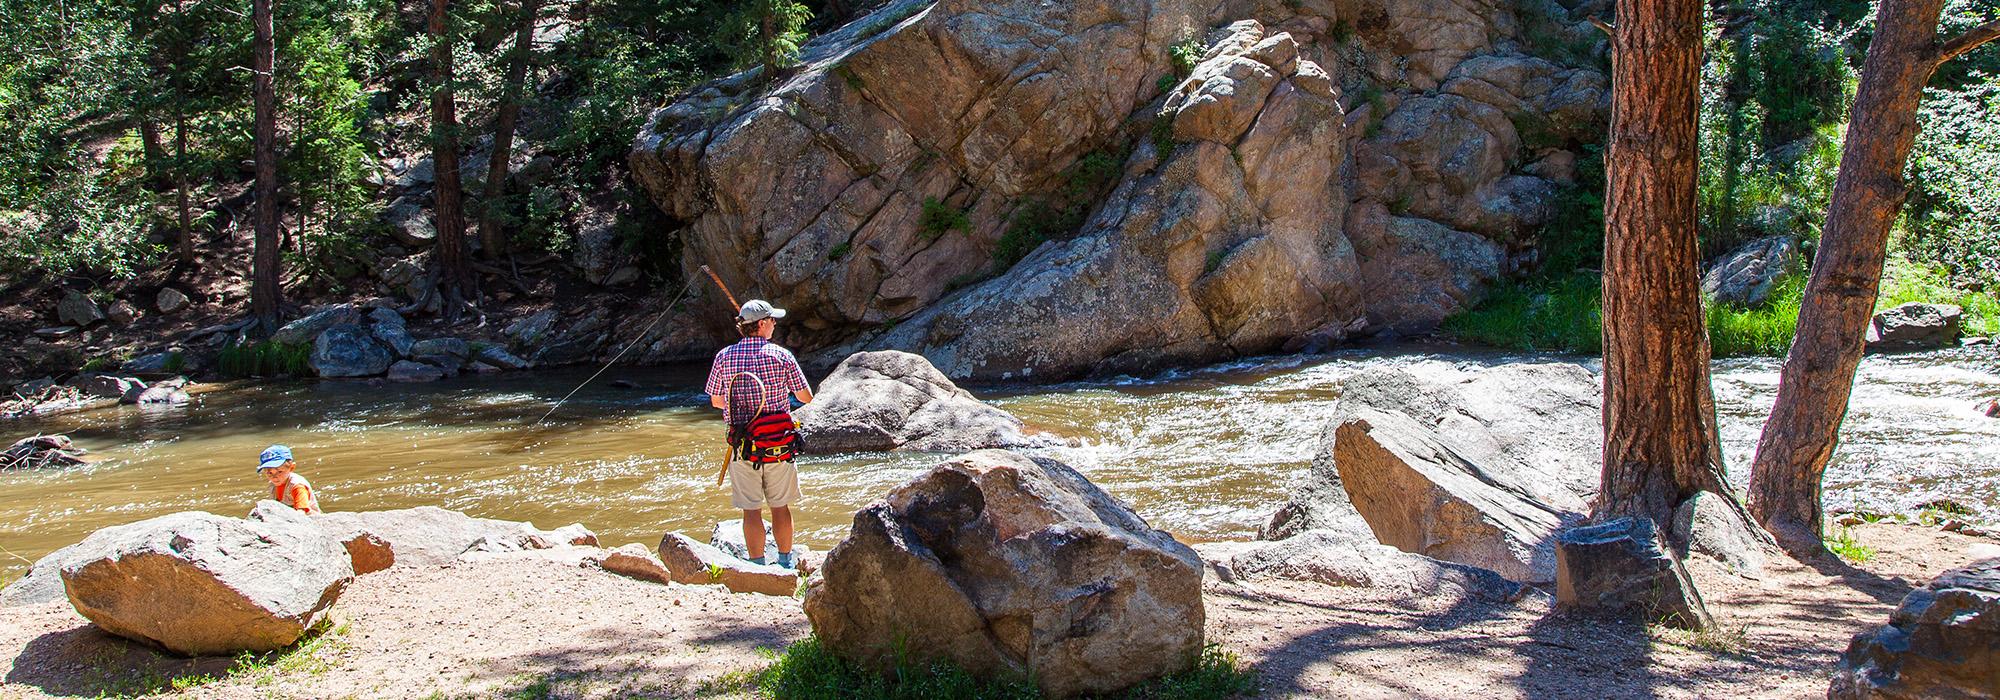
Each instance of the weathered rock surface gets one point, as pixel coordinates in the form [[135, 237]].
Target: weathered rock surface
[[1713, 528], [202, 584], [306, 329], [691, 561], [77, 309], [433, 536], [417, 372], [1943, 641], [1622, 567], [106, 386], [122, 313], [727, 535], [43, 582], [1004, 564], [1915, 326], [170, 300], [1339, 558], [1420, 495], [349, 350], [1518, 439], [891, 400], [1231, 228], [1746, 275]]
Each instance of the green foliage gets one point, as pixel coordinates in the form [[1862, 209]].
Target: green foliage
[[176, 363], [1764, 330], [838, 251], [1162, 134], [938, 218], [1573, 238], [1842, 543], [1904, 282], [1560, 314], [1214, 261], [1953, 215], [765, 33], [100, 364], [264, 359], [807, 670], [1185, 54]]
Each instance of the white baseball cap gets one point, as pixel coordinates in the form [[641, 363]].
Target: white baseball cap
[[758, 310]]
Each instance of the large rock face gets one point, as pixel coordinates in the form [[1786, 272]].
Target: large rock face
[[1942, 642], [1007, 565], [432, 536], [201, 584], [1323, 167], [890, 400]]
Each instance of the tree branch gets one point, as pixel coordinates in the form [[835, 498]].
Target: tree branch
[[1973, 38]]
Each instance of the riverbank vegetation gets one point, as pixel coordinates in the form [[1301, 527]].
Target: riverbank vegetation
[[1777, 87]]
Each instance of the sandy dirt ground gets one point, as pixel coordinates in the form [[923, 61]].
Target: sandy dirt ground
[[548, 626]]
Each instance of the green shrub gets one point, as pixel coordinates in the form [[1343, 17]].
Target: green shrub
[[939, 217], [1185, 55], [176, 363], [1162, 134], [807, 670], [1553, 315], [264, 359], [838, 251]]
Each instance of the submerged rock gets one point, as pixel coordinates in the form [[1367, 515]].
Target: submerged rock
[[202, 584], [891, 400], [1943, 641], [1006, 565]]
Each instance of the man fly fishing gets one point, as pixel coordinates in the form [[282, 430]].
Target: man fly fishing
[[754, 382]]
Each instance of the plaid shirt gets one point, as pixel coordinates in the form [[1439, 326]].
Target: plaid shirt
[[763, 359]]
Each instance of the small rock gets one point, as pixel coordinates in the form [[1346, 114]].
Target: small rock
[[170, 300], [1941, 642], [77, 309], [122, 313], [622, 276], [634, 561], [414, 372], [1975, 340], [152, 363], [483, 368], [162, 396], [56, 332], [1621, 566], [433, 536], [690, 561]]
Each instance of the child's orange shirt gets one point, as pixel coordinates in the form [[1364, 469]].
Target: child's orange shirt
[[297, 493]]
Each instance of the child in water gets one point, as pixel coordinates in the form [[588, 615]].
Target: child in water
[[287, 487]]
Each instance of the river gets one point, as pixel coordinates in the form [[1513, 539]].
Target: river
[[1203, 452]]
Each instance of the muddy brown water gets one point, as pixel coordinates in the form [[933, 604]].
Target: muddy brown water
[[1205, 453]]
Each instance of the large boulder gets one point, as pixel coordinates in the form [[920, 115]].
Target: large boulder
[[1746, 276], [349, 350], [1420, 495], [1915, 326], [202, 584], [1186, 210], [1007, 565], [1943, 641], [433, 536], [306, 329], [891, 400], [77, 309], [43, 582]]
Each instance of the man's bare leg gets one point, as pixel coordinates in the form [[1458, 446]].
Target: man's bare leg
[[781, 527], [753, 531]]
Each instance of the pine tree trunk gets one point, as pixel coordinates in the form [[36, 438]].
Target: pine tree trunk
[[1840, 295], [1659, 422], [454, 277], [181, 188], [490, 237], [156, 153], [264, 287]]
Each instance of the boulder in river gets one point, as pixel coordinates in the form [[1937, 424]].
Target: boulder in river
[[1746, 276], [202, 584], [1915, 326], [692, 561], [1943, 641], [893, 400], [1622, 566], [349, 350], [1011, 566]]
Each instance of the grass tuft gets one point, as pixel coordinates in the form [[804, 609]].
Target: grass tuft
[[1559, 315], [1842, 544], [938, 218], [264, 359], [807, 670], [1715, 639]]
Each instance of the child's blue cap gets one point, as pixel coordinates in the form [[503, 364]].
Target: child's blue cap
[[274, 456]]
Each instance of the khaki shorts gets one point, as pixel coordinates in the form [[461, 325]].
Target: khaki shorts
[[775, 484]]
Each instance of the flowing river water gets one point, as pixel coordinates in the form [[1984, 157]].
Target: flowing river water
[[1205, 453]]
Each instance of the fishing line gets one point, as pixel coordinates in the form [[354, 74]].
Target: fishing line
[[621, 353]]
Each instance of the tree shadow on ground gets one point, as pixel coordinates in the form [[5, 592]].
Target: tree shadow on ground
[[1285, 666], [604, 661], [1888, 590], [87, 661]]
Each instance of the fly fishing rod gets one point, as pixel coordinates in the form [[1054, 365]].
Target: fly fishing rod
[[642, 336]]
